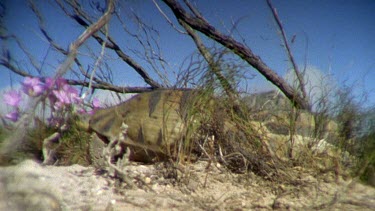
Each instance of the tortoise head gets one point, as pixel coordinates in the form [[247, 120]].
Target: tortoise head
[[107, 122]]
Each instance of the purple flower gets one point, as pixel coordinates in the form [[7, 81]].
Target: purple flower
[[96, 103], [13, 116], [82, 111], [73, 94], [95, 106], [91, 112], [58, 105], [66, 95], [12, 98], [60, 83], [32, 86], [49, 83], [61, 96]]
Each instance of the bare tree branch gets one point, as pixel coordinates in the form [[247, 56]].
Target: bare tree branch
[[97, 63], [52, 42], [111, 44], [98, 85], [214, 67], [301, 83], [207, 55], [83, 37], [111, 87], [7, 56], [167, 18], [6, 63], [43, 29], [239, 49]]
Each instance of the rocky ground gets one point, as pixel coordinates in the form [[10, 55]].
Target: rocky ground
[[31, 186]]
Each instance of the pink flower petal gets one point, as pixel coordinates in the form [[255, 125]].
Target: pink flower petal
[[13, 116], [60, 83], [32, 86], [39, 89], [49, 83], [91, 112], [96, 103], [12, 98], [61, 96]]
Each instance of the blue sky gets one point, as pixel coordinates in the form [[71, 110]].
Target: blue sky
[[336, 37]]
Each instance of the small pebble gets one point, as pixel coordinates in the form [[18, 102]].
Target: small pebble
[[147, 180]]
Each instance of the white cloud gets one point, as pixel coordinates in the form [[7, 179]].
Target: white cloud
[[318, 85]]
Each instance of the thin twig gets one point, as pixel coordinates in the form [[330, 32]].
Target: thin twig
[[111, 44], [289, 51], [98, 85], [166, 18], [97, 63]]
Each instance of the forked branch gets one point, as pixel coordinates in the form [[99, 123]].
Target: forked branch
[[200, 24]]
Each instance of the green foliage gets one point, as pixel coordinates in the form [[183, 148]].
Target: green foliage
[[368, 158], [348, 114], [356, 133], [197, 116], [74, 145], [2, 134], [71, 148]]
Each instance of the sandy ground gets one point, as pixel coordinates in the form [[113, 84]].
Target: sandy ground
[[31, 186]]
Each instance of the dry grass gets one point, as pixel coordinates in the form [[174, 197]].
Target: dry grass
[[265, 138]]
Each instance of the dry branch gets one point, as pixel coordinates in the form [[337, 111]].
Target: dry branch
[[210, 60], [214, 67], [97, 85], [239, 49], [290, 55], [111, 44]]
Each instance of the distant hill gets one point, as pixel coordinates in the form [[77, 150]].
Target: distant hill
[[267, 100]]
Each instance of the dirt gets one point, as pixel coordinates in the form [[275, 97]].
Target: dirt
[[32, 186]]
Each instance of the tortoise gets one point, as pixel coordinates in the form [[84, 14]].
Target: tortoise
[[155, 123]]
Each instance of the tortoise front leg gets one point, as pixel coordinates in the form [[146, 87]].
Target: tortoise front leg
[[96, 147]]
